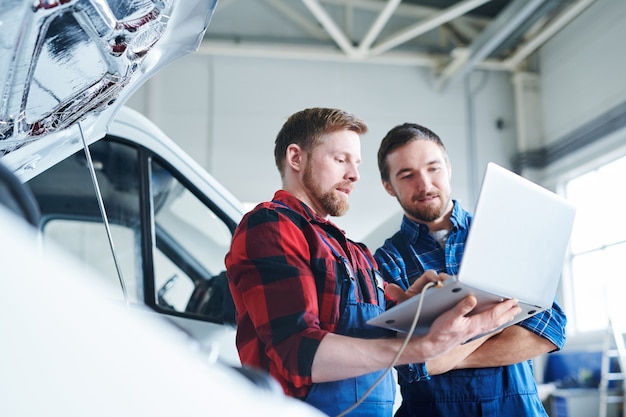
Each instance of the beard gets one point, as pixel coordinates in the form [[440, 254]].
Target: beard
[[429, 213], [331, 203]]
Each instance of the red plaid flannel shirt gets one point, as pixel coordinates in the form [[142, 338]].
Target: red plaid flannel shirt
[[286, 284]]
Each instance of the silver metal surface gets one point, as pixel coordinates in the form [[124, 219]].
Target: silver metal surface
[[64, 61]]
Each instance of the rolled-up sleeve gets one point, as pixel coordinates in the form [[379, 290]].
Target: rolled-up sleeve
[[549, 324]]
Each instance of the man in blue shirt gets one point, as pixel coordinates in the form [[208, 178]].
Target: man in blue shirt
[[492, 376]]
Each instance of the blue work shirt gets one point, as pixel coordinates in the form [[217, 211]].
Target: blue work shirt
[[496, 391]]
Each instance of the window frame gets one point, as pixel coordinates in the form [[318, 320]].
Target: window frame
[[148, 227], [555, 176], [145, 233]]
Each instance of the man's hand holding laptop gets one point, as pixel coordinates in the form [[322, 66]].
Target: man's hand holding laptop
[[396, 293], [455, 323]]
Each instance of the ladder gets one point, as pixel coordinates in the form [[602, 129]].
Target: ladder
[[614, 350]]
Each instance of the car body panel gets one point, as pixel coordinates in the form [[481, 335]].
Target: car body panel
[[127, 221], [71, 62], [66, 69], [72, 352], [65, 195]]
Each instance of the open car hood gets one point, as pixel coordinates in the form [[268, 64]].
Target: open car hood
[[66, 66]]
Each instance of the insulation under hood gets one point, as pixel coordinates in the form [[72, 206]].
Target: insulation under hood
[[70, 62]]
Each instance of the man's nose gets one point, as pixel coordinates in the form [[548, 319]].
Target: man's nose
[[353, 173], [423, 183]]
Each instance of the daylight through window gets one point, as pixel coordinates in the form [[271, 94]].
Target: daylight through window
[[598, 245]]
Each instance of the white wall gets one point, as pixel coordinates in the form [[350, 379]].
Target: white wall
[[582, 79], [226, 112], [583, 69]]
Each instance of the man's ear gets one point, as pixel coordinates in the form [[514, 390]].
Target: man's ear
[[294, 157], [389, 188]]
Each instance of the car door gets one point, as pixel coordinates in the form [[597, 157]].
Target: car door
[[146, 227]]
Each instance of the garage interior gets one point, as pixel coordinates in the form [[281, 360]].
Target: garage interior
[[534, 85]]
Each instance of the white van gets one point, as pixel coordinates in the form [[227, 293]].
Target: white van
[[67, 350], [110, 186], [170, 225], [139, 219]]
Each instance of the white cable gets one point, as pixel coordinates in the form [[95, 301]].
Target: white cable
[[408, 337], [105, 218]]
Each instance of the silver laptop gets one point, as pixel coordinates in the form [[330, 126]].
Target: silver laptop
[[515, 249]]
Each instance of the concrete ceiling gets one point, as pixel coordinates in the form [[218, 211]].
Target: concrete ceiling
[[452, 37]]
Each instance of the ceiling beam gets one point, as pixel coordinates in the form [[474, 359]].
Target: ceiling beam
[[497, 32], [331, 27], [303, 22], [378, 25], [408, 10], [458, 63], [522, 52], [324, 54], [431, 23], [307, 53]]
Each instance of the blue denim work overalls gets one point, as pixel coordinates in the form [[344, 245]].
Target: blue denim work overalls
[[335, 397], [508, 391]]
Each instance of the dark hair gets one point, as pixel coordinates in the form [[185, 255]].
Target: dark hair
[[399, 136], [307, 127]]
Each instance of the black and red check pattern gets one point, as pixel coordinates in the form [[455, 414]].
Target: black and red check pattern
[[286, 283]]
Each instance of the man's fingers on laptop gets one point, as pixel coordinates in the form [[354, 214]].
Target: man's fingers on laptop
[[510, 309], [466, 305], [419, 284], [396, 293], [443, 276], [455, 326], [501, 313], [490, 319]]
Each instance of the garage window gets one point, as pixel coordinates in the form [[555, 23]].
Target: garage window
[[598, 245]]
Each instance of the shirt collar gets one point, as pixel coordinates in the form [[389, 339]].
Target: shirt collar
[[413, 230], [460, 218], [301, 208]]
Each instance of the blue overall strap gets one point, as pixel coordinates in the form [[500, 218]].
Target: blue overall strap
[[336, 396]]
